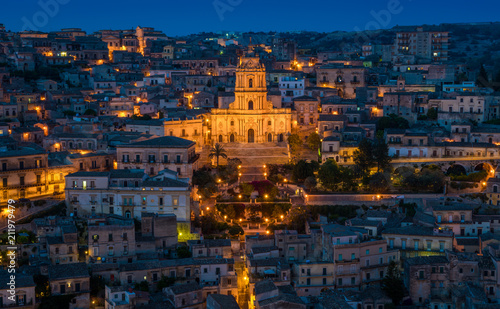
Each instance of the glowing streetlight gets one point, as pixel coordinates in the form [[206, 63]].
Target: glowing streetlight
[[208, 208], [239, 174], [484, 183], [239, 196], [281, 217], [378, 196], [267, 219], [266, 196], [267, 232], [285, 180], [225, 217], [241, 219], [264, 166]]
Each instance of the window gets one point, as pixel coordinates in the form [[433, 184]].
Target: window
[[353, 256], [421, 274], [340, 257], [165, 159]]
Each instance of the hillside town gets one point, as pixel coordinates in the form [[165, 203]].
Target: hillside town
[[251, 170]]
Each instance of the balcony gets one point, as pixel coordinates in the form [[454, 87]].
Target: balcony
[[347, 261]]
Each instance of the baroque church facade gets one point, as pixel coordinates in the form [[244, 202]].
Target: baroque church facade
[[251, 118]]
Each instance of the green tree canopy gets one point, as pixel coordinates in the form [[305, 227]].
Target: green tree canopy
[[483, 79], [392, 122], [217, 152], [90, 112], [381, 154], [329, 175], [295, 142], [313, 141], [393, 285], [364, 157], [303, 169]]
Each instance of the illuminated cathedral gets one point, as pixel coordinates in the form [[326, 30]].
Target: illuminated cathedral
[[251, 118]]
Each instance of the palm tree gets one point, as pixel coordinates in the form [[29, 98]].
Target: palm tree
[[217, 151]]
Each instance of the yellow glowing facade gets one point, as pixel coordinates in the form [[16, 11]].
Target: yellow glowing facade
[[251, 118]]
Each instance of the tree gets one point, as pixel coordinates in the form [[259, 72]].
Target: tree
[[302, 170], [310, 183], [482, 79], [295, 142], [183, 252], [496, 82], [90, 112], [247, 188], [165, 282], [381, 154], [69, 113], [363, 156], [379, 183], [144, 117], [236, 230], [329, 175], [217, 151], [432, 113], [313, 141], [142, 286], [393, 285], [392, 122]]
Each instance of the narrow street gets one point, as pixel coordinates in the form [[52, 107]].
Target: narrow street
[[243, 290]]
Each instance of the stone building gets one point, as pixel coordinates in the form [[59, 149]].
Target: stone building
[[251, 118], [343, 77], [157, 154], [128, 193]]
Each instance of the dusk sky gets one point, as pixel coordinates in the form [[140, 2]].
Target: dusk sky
[[184, 17]]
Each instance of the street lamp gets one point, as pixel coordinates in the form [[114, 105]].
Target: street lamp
[[239, 196], [208, 208]]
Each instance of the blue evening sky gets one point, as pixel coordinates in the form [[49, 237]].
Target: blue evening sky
[[191, 16]]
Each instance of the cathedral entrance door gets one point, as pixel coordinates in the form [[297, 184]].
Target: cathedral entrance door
[[231, 138], [251, 136]]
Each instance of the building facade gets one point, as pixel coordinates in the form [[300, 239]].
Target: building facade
[[251, 118]]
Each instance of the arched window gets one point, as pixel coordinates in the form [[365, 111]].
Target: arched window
[[250, 105], [220, 138], [495, 189], [127, 214], [339, 79], [250, 83], [280, 137]]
